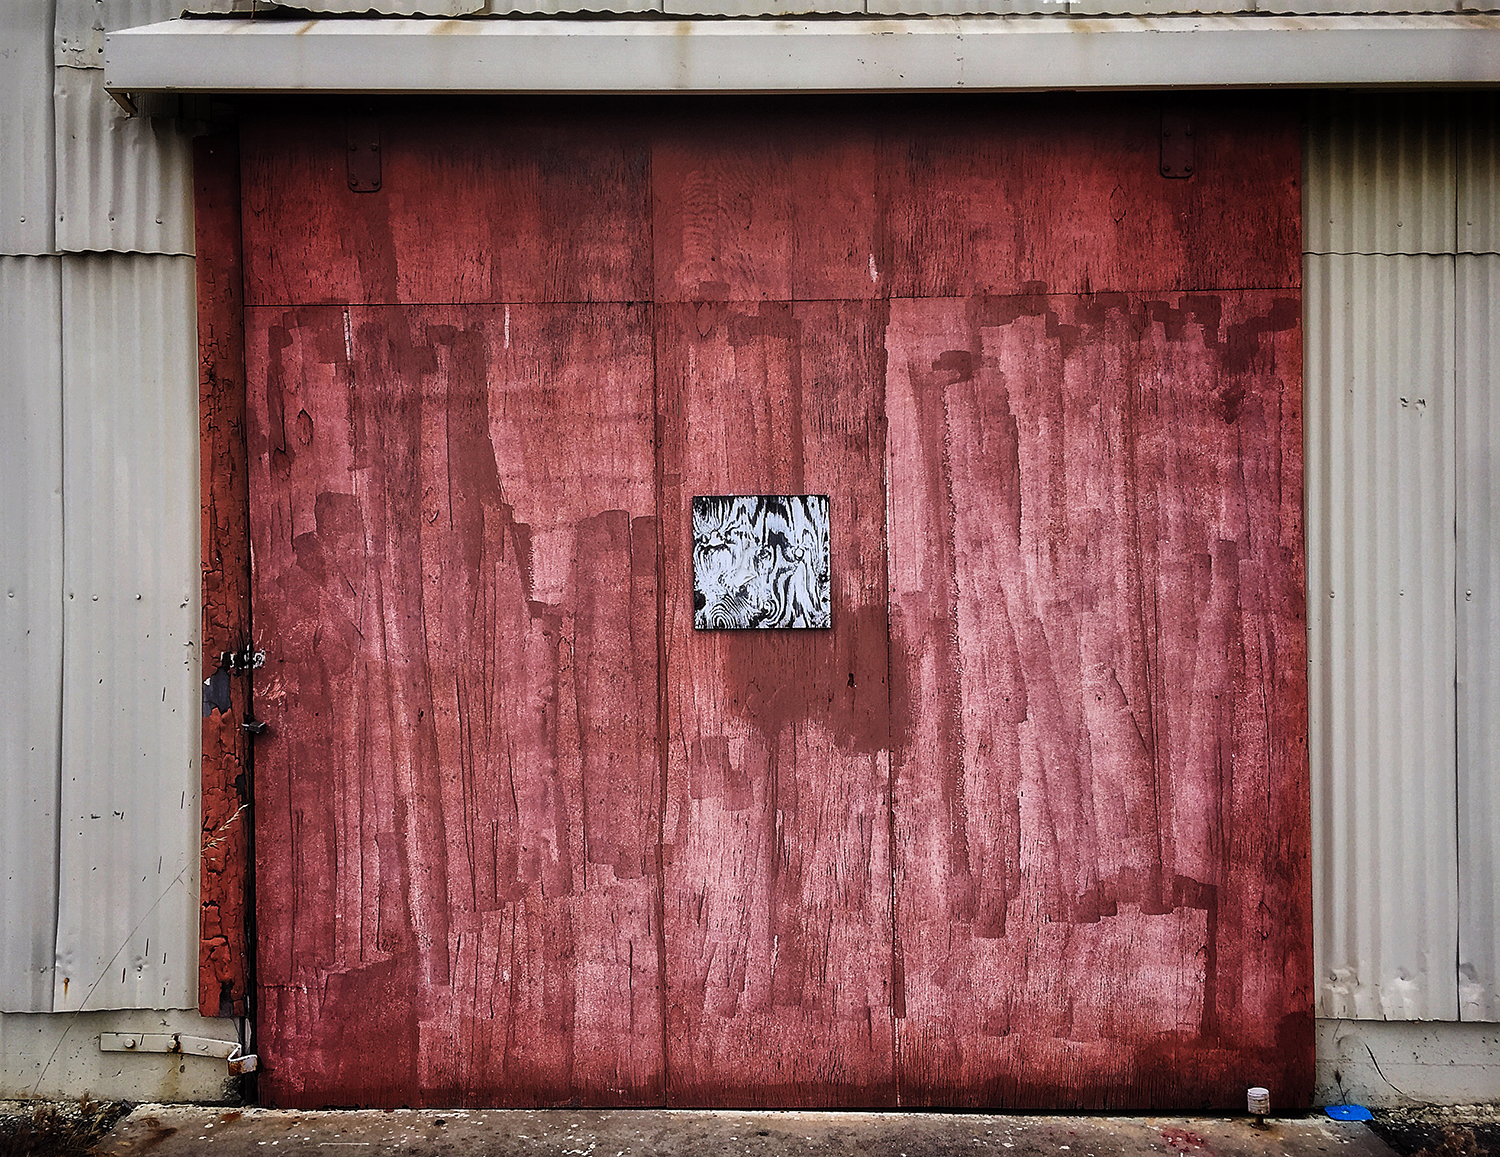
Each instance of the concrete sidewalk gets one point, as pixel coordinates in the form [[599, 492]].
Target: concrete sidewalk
[[175, 1131]]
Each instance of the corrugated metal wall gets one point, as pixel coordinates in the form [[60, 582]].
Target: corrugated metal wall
[[1403, 449], [101, 732], [30, 623], [131, 708], [1478, 562]]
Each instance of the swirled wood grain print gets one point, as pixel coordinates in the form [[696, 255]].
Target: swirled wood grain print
[[760, 562]]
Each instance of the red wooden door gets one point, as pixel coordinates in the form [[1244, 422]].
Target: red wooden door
[[1027, 827]]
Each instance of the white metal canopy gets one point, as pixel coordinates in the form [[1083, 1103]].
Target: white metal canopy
[[836, 54]]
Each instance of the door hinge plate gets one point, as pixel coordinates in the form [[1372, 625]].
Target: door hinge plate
[[1178, 157], [364, 154]]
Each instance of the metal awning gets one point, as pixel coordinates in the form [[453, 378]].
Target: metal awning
[[832, 54]]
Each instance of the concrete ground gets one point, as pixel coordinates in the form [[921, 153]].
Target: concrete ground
[[175, 1131]]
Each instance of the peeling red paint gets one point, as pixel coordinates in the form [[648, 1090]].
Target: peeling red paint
[[1027, 828], [223, 949]]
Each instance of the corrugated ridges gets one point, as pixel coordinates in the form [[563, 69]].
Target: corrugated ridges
[[1380, 497], [124, 183], [1379, 173], [127, 917], [30, 624], [1479, 175], [27, 174], [1478, 602]]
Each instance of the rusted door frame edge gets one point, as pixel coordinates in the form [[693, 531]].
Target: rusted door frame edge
[[225, 898]]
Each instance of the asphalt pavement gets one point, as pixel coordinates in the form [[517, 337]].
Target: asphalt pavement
[[177, 1130]]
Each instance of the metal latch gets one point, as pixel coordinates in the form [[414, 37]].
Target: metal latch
[[189, 1046], [364, 154], [1177, 148]]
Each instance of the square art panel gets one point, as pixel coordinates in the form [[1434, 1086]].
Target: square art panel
[[761, 561]]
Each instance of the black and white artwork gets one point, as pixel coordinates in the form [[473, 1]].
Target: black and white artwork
[[761, 561]]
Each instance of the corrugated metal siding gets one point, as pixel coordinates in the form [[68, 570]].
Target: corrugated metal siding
[[30, 624], [1380, 496], [1379, 174], [124, 184], [27, 174], [81, 25], [127, 915], [1478, 437], [1479, 175]]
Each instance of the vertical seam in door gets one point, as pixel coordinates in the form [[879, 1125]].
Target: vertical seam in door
[[658, 427], [890, 761]]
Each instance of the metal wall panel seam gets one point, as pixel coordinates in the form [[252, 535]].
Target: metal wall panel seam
[[1382, 642], [30, 624], [127, 932], [124, 182], [1478, 161], [1478, 607], [28, 174]]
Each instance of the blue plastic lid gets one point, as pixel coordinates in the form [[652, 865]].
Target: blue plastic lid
[[1349, 1113]]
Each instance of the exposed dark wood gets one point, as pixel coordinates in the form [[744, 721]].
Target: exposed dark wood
[[1099, 701], [777, 884], [223, 935], [457, 804]]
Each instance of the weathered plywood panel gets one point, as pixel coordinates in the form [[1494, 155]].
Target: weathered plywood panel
[[457, 804], [471, 208], [1098, 700], [749, 208], [525, 836], [223, 949], [777, 877], [1381, 572], [31, 524], [127, 921], [1477, 453], [940, 202], [1066, 196]]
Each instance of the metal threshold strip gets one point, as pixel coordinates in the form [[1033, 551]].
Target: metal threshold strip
[[764, 55]]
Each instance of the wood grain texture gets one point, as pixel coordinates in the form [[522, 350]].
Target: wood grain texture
[[749, 206], [777, 885], [1028, 827], [223, 951], [521, 206], [1099, 700], [458, 805], [1062, 194]]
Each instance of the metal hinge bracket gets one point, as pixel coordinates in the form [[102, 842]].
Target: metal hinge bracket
[[1177, 148], [188, 1046], [363, 157]]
